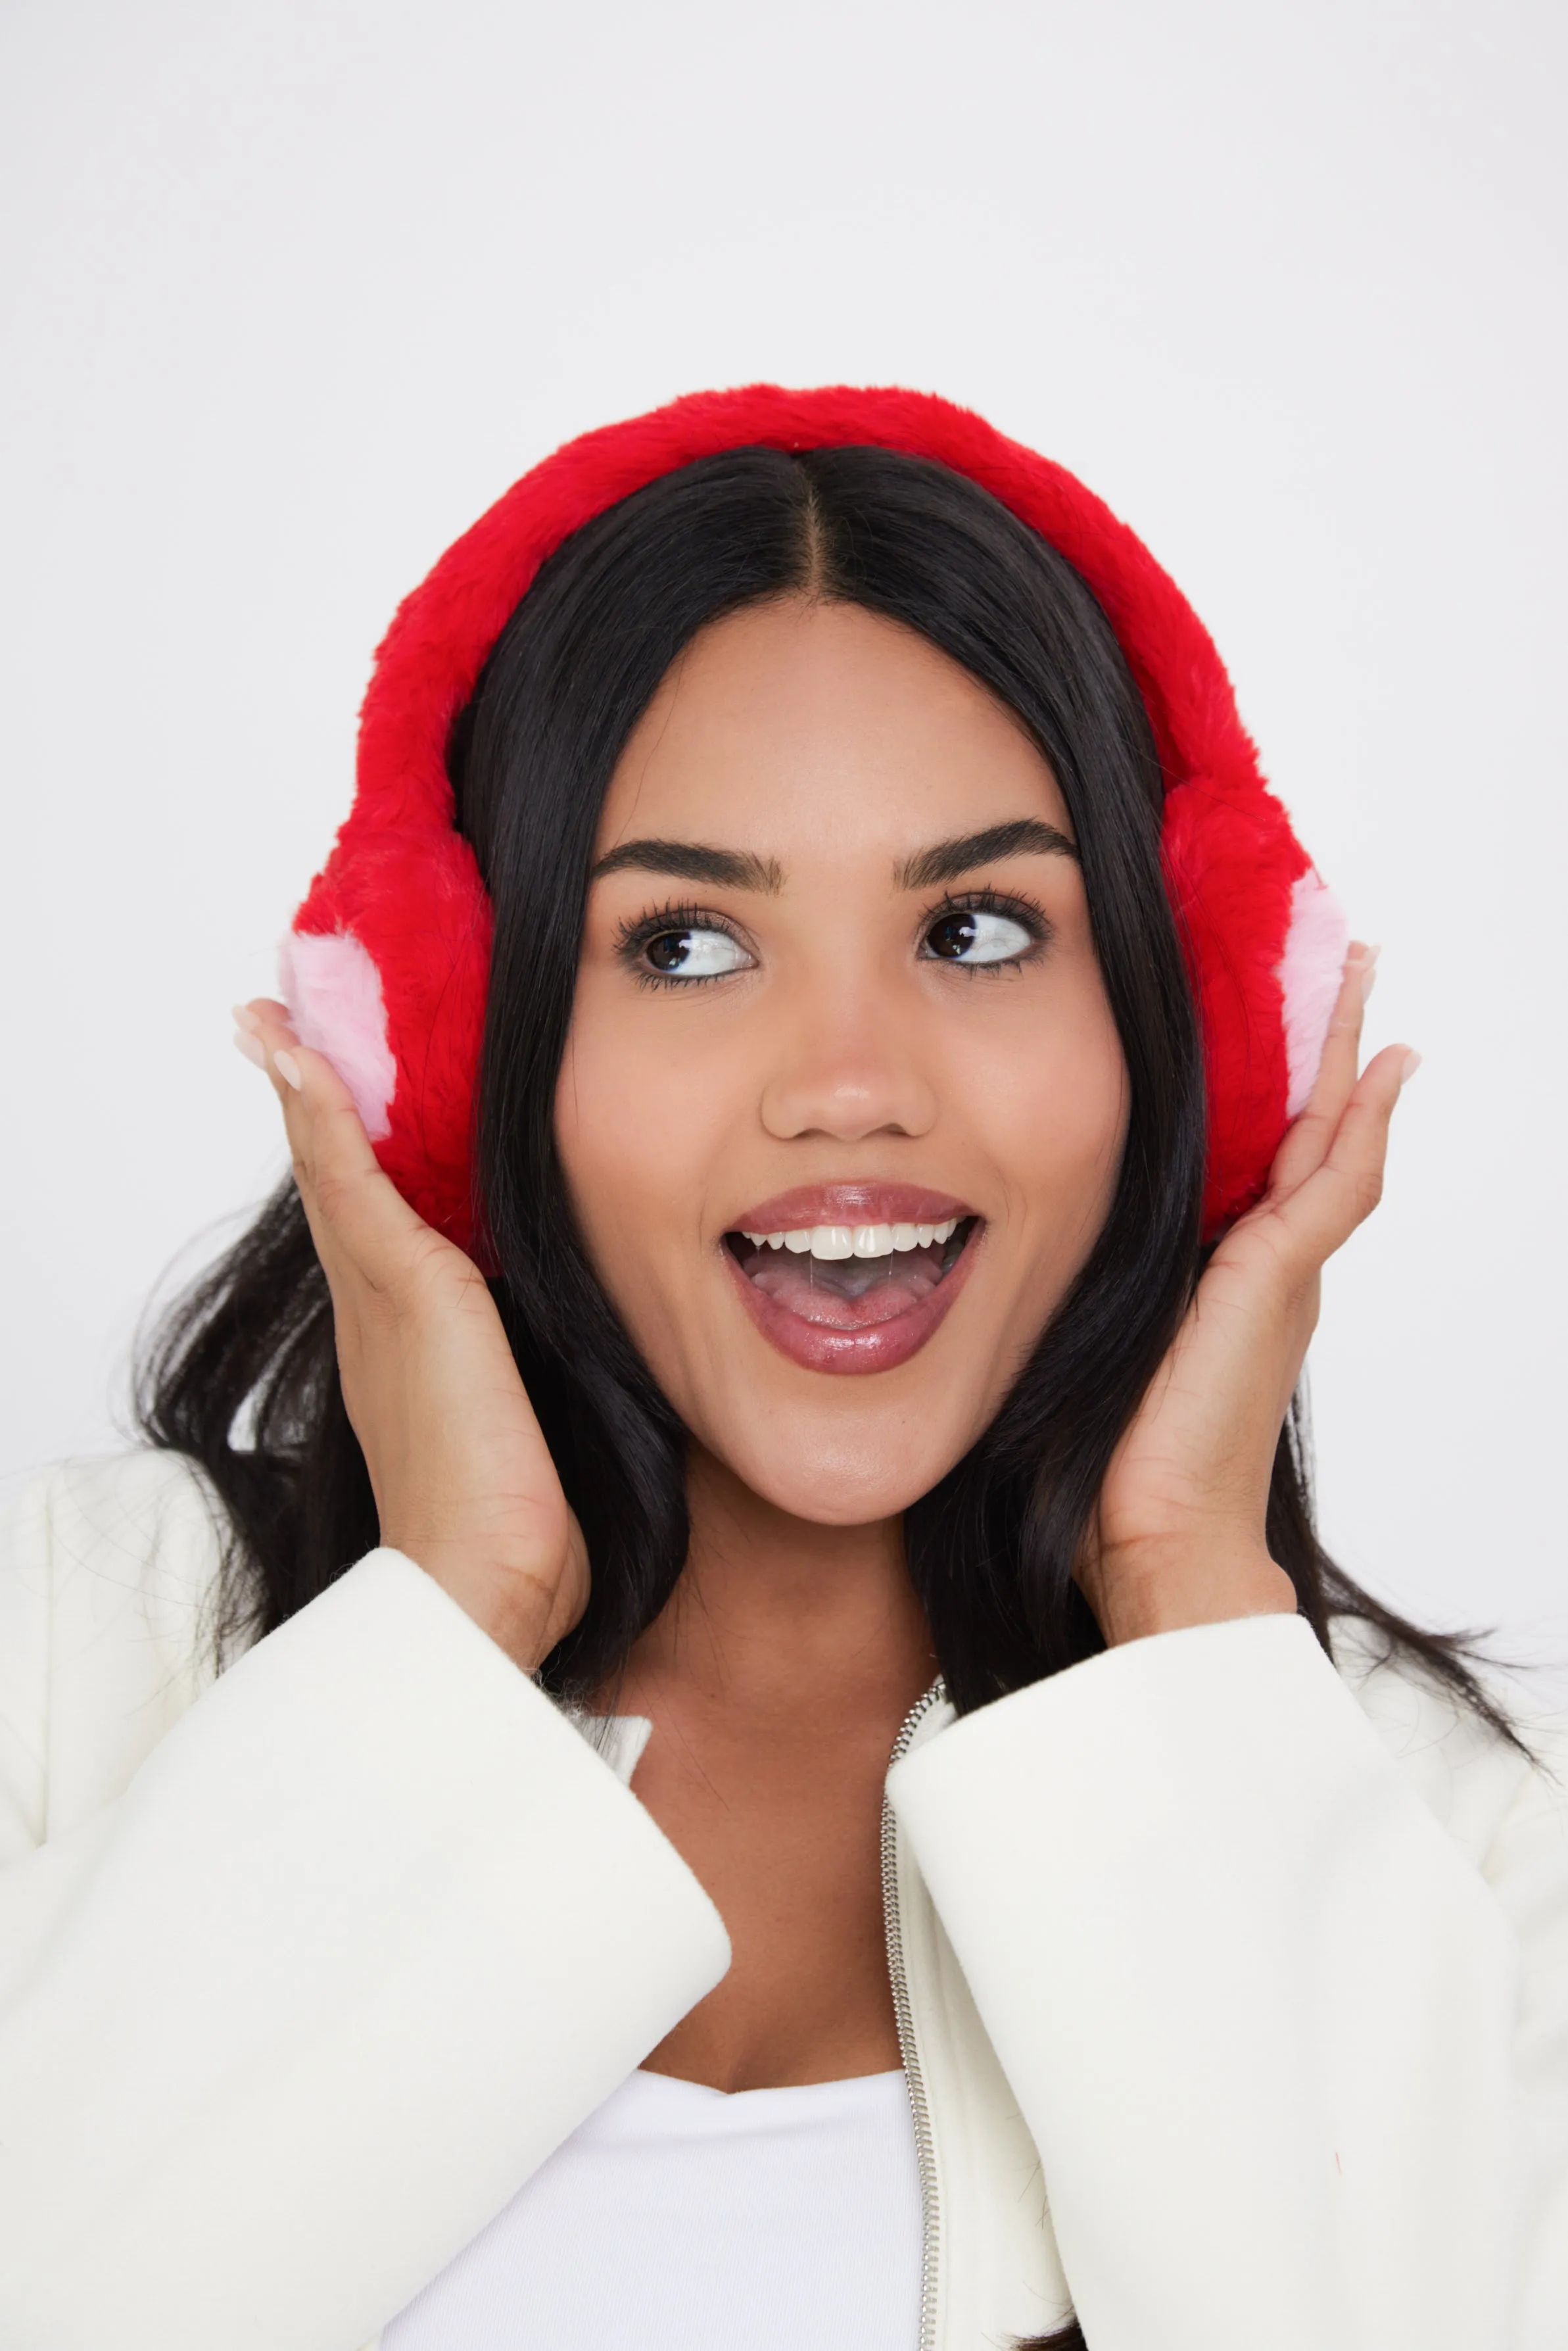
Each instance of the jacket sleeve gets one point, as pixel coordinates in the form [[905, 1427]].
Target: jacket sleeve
[[284, 2024], [1296, 2059]]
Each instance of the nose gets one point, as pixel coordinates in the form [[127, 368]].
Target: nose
[[850, 1070]]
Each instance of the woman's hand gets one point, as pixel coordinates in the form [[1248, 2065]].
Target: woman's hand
[[462, 1478], [1178, 1537]]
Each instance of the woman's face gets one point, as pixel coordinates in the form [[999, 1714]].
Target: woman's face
[[843, 1100]]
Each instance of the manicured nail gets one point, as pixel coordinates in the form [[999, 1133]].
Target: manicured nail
[[246, 1019], [288, 1069], [252, 1048], [1412, 1063], [1361, 964]]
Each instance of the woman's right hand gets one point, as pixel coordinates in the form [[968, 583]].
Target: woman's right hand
[[463, 1478]]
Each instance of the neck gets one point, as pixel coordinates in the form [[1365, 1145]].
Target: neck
[[773, 1612]]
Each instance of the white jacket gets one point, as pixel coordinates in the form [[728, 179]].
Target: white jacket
[[1234, 1989]]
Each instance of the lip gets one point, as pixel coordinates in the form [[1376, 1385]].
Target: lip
[[874, 1347], [849, 1204]]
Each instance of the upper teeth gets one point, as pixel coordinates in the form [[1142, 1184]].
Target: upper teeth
[[855, 1240]]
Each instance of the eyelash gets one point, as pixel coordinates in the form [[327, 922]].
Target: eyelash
[[633, 936], [1025, 912]]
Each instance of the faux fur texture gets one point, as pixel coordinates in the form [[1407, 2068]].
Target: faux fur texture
[[1310, 973], [334, 993], [402, 884]]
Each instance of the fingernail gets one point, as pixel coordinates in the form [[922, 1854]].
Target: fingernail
[[1412, 1063], [246, 1019], [288, 1069], [252, 1048]]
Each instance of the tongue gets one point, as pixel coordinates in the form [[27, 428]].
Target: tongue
[[850, 1293]]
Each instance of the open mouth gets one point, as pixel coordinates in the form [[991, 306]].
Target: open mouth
[[852, 1276]]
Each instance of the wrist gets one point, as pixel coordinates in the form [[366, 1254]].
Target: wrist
[[515, 1612], [1170, 1587]]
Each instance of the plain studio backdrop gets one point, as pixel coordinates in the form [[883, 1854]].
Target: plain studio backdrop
[[292, 292]]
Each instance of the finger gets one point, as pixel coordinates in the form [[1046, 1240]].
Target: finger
[[1339, 1195], [1310, 1134], [262, 1030], [356, 1216]]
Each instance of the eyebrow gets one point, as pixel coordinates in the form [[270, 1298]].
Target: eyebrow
[[1024, 836], [693, 861], [735, 869]]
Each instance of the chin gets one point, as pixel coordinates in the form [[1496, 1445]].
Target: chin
[[835, 1469]]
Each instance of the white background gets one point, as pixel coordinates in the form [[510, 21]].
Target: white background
[[292, 291]]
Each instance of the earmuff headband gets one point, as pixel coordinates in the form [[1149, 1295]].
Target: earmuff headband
[[386, 967]]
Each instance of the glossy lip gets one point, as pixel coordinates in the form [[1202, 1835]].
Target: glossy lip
[[874, 1347]]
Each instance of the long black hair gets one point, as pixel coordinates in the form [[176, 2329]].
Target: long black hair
[[243, 1377]]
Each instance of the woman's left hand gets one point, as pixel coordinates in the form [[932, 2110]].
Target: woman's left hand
[[1178, 1537]]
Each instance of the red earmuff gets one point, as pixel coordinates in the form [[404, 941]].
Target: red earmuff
[[386, 967]]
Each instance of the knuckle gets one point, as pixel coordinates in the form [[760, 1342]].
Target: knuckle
[[333, 1196], [392, 1295]]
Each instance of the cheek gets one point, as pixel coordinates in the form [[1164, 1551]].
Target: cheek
[[602, 1129], [636, 1130], [1054, 1120]]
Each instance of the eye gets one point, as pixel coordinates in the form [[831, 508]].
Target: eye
[[681, 946], [696, 951], [972, 936]]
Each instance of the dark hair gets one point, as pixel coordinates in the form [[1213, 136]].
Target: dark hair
[[990, 1549]]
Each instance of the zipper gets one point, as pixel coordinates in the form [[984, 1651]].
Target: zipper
[[925, 2152]]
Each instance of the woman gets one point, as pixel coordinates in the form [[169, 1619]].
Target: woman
[[819, 1086]]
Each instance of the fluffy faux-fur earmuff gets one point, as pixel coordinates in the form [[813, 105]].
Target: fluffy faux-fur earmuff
[[385, 971]]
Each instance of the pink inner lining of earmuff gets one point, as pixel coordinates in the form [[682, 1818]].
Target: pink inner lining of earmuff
[[333, 992], [1309, 974]]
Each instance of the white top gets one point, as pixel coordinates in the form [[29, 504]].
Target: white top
[[1236, 1979], [680, 2219]]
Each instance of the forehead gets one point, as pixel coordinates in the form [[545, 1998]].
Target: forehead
[[813, 728]]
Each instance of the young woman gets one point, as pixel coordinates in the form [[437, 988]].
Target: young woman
[[819, 1086]]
